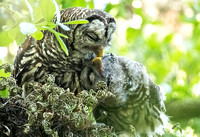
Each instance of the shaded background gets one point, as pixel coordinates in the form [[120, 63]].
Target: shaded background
[[162, 35]]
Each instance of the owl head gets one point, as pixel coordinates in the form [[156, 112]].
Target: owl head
[[122, 76], [91, 38], [125, 78]]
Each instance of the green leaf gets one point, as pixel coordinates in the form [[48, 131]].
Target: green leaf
[[5, 40], [48, 24], [37, 35], [51, 24], [62, 44], [18, 16], [8, 27], [13, 33], [62, 35], [47, 9], [4, 93], [77, 22], [91, 4], [20, 38], [6, 37], [11, 22]]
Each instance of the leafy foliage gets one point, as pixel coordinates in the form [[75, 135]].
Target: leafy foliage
[[37, 22], [5, 70], [49, 110]]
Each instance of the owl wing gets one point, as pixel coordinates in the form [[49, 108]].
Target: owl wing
[[26, 63], [139, 76], [18, 68], [156, 96]]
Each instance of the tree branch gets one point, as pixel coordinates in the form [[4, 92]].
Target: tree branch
[[183, 109]]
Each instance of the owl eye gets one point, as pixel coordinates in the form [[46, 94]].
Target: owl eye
[[92, 36]]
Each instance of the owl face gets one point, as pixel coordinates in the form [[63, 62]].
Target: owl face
[[113, 74], [93, 37], [86, 40], [123, 76]]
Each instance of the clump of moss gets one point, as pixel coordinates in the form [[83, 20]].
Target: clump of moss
[[37, 109]]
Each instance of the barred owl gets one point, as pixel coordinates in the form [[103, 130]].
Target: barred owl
[[137, 102], [37, 58]]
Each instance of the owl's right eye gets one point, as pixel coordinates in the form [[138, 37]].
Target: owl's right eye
[[92, 36]]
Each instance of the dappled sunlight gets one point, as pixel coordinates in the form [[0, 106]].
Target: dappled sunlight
[[159, 30], [136, 22], [178, 43], [166, 87], [13, 47], [198, 17], [189, 132], [188, 12], [137, 4], [149, 29], [181, 77], [3, 52], [196, 89]]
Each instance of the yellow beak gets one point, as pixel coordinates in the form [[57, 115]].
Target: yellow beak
[[98, 64], [97, 60], [99, 51]]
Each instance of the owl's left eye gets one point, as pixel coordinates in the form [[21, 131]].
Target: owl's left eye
[[92, 36]]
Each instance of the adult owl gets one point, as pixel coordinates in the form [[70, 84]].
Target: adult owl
[[37, 58], [137, 107]]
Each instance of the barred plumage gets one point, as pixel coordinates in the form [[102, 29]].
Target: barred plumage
[[37, 58], [138, 103]]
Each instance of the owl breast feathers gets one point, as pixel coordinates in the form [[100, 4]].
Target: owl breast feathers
[[138, 101], [37, 58]]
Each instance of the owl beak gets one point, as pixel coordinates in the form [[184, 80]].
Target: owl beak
[[99, 51], [97, 63], [97, 60]]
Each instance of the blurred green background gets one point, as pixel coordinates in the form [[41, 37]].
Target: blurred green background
[[162, 35]]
